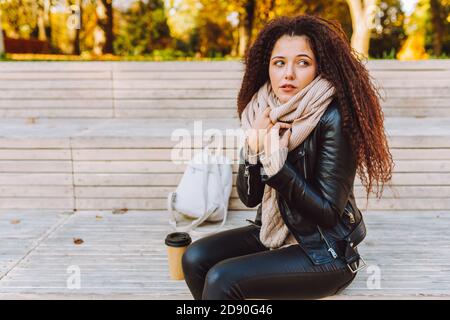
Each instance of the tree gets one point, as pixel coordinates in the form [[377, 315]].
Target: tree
[[246, 20], [19, 18], [362, 13], [416, 28], [42, 12], [426, 35], [106, 23], [437, 19], [76, 23], [388, 33], [2, 43], [243, 19], [144, 28], [327, 9]]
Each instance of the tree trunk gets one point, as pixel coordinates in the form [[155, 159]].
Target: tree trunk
[[438, 26], [242, 40], [246, 26], [107, 27], [41, 21], [47, 21], [76, 22], [76, 44], [2, 44], [362, 13]]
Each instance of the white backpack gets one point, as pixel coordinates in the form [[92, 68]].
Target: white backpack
[[202, 194]]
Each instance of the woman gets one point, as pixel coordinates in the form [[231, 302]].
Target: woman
[[313, 120]]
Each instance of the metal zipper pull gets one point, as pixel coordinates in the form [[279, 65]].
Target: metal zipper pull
[[350, 215], [330, 249], [333, 253]]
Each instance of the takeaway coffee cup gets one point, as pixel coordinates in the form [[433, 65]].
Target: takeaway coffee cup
[[177, 243]]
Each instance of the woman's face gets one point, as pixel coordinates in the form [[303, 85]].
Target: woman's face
[[292, 66]]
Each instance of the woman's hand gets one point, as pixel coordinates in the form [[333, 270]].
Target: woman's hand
[[273, 142], [259, 130]]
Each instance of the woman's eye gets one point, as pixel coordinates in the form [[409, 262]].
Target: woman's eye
[[281, 63], [278, 63]]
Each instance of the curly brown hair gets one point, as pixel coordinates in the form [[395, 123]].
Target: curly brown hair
[[359, 105]]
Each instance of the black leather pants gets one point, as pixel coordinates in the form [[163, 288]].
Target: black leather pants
[[235, 265]]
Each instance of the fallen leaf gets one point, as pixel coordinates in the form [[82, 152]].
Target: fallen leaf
[[31, 120], [98, 217], [15, 221], [120, 211], [77, 241]]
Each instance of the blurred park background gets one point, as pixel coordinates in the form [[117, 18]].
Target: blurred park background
[[210, 29]]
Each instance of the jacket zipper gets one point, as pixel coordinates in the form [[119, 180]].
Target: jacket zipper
[[247, 175], [304, 164], [351, 216], [330, 249]]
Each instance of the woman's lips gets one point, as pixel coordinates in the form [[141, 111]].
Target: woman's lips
[[287, 89]]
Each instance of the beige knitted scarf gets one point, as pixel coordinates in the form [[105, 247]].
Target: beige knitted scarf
[[304, 111]]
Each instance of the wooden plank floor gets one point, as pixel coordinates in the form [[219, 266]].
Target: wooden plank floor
[[123, 255]]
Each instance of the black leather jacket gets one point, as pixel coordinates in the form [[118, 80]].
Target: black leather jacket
[[314, 191]]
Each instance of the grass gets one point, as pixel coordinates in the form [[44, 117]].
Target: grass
[[386, 56], [442, 56]]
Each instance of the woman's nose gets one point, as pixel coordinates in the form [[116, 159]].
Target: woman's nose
[[289, 73]]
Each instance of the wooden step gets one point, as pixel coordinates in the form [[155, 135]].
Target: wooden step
[[127, 163], [200, 89]]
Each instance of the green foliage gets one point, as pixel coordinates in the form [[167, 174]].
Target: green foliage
[[431, 32], [422, 22], [144, 29], [442, 56], [167, 54], [386, 55], [386, 42], [19, 18]]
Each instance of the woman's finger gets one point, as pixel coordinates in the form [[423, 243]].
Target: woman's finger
[[276, 126], [273, 139], [285, 125], [284, 141]]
